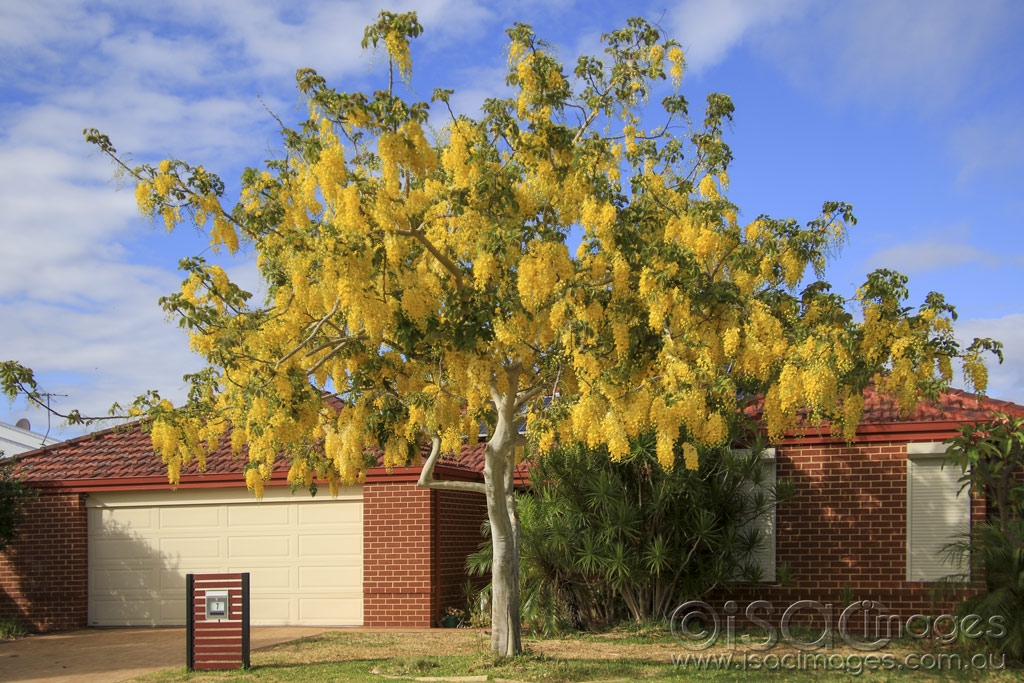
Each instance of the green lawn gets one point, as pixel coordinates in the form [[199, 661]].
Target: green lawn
[[462, 655]]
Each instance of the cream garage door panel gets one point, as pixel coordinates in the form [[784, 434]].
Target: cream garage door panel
[[304, 556]]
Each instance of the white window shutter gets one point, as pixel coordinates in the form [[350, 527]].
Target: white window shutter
[[937, 512]]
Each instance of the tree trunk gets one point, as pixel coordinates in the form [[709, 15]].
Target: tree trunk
[[499, 488], [499, 473]]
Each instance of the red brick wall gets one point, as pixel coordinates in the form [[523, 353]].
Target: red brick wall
[[399, 558], [844, 532], [460, 515], [415, 543], [44, 573]]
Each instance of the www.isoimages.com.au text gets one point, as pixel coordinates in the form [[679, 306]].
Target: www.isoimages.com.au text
[[847, 663]]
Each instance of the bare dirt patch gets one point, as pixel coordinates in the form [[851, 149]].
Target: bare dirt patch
[[574, 648]]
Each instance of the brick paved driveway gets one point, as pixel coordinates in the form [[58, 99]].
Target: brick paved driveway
[[109, 655]]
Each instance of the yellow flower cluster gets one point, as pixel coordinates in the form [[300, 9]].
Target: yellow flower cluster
[[397, 46], [330, 172], [540, 270], [145, 197], [455, 157], [534, 76], [184, 439], [708, 188], [599, 218], [300, 473], [975, 371], [675, 56], [690, 456]]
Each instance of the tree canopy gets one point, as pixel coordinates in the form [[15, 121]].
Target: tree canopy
[[418, 271], [566, 265]]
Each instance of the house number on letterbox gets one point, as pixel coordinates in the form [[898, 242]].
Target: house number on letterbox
[[216, 605]]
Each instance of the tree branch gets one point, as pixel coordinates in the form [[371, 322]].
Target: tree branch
[[17, 380], [309, 337], [528, 395], [417, 233], [427, 480]]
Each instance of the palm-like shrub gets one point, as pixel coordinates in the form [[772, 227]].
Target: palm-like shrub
[[602, 540], [995, 556], [991, 457]]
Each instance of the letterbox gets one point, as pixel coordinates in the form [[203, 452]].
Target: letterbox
[[217, 605]]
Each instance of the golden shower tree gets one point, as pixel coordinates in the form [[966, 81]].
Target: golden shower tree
[[566, 266]]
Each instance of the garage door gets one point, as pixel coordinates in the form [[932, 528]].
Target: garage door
[[304, 555]]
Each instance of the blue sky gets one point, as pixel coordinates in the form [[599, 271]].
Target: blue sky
[[913, 111]]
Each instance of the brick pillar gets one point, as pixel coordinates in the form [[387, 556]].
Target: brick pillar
[[399, 553]]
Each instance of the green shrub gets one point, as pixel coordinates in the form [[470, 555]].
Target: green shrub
[[11, 628], [14, 496], [991, 457], [603, 540], [1001, 606]]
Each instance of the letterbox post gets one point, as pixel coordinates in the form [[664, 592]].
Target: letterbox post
[[190, 622], [245, 620], [217, 621]]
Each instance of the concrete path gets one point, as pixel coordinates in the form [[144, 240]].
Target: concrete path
[[110, 655]]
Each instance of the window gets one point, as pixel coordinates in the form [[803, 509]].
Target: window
[[764, 524], [937, 512]]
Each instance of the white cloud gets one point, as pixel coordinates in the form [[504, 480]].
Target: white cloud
[[448, 22], [158, 59], [51, 225], [482, 82], [709, 30], [921, 257], [33, 33], [325, 36], [108, 349], [918, 54], [1006, 381], [989, 148]]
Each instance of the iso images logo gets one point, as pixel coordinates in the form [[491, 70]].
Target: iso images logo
[[865, 625]]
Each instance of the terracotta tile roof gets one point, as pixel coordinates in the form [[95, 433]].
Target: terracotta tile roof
[[954, 406], [470, 458], [116, 453], [125, 452], [951, 406]]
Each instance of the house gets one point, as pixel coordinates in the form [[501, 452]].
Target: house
[[18, 438], [109, 542], [868, 519]]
